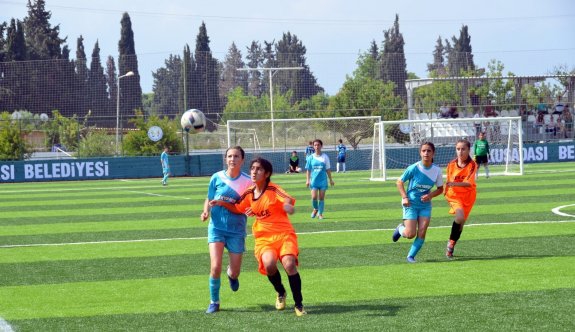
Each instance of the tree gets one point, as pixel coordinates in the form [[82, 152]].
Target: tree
[[393, 64], [231, 77], [207, 77], [99, 102], [290, 52], [137, 143], [190, 85], [130, 89], [368, 64], [255, 57], [437, 68], [111, 81], [12, 143], [82, 74], [460, 56], [167, 92], [42, 39]]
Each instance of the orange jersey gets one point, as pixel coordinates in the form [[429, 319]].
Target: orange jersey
[[461, 197], [268, 210]]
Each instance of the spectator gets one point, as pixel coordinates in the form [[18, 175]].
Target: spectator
[[444, 111], [552, 126], [559, 106], [567, 123], [453, 112], [293, 163], [542, 106], [539, 122], [309, 150], [489, 110], [474, 98]]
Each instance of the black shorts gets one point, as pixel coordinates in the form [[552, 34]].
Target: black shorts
[[481, 160]]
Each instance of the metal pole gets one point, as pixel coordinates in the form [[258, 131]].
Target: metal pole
[[272, 107]]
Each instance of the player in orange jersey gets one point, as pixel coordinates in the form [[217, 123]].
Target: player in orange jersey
[[274, 235], [460, 190]]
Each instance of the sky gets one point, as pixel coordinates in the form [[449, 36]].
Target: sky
[[530, 37]]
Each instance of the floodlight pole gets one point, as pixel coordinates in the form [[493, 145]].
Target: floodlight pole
[[272, 72], [130, 73]]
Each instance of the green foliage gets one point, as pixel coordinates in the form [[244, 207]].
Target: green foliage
[[62, 130], [12, 143], [97, 144], [137, 142]]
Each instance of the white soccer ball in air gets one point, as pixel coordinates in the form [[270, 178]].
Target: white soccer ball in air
[[193, 121]]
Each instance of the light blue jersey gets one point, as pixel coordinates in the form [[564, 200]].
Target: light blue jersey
[[318, 167], [222, 187], [421, 181], [165, 162]]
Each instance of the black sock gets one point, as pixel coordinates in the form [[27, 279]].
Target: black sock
[[276, 280], [456, 230], [295, 285]]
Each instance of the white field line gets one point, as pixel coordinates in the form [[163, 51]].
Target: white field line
[[557, 211], [301, 233], [4, 326], [158, 195]]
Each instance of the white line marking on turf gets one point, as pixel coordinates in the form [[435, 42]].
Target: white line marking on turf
[[558, 212], [5, 327], [300, 233], [158, 195]]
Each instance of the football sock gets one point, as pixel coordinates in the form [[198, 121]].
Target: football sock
[[337, 168], [401, 228], [343, 166], [487, 171], [215, 290], [321, 205], [315, 204], [417, 244], [276, 280], [295, 285], [456, 230]]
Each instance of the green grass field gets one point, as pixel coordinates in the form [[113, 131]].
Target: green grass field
[[131, 255]]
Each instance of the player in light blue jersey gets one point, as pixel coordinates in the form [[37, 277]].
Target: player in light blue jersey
[[226, 229], [165, 165], [317, 173], [341, 150], [416, 201]]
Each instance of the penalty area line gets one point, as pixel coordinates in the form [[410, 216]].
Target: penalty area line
[[298, 233]]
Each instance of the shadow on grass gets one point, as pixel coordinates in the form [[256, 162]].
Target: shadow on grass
[[485, 258], [371, 309]]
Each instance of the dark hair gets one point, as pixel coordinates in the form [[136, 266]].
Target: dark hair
[[340, 140], [237, 147], [466, 142], [319, 141], [431, 145], [266, 165]]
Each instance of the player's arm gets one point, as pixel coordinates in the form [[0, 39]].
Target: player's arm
[[330, 179], [401, 188], [206, 212], [227, 205]]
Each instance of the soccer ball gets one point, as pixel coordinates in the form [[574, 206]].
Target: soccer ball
[[193, 120]]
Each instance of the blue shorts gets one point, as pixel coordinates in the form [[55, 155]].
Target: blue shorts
[[341, 158], [414, 212], [324, 188], [235, 243]]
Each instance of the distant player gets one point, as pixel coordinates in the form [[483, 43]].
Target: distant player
[[416, 201], [481, 153], [341, 149], [274, 235], [309, 150], [317, 173], [460, 190], [165, 165], [293, 163]]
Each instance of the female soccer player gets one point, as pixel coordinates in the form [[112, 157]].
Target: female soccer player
[[226, 229], [481, 153], [317, 172], [274, 235], [416, 201], [164, 159], [460, 190]]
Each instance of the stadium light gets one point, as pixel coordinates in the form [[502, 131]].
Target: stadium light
[[272, 72], [130, 73]]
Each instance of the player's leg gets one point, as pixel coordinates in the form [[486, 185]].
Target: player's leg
[[236, 248], [216, 253], [288, 254], [486, 168], [314, 201], [321, 203], [407, 228], [269, 260], [422, 225], [456, 229], [337, 167]]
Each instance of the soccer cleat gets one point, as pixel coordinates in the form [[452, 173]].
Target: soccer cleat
[[320, 217], [234, 283], [314, 213], [410, 259], [300, 311], [281, 302], [449, 249], [213, 307], [396, 234]]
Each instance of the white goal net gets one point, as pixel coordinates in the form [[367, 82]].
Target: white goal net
[[396, 143]]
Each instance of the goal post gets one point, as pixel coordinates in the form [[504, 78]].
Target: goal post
[[396, 143], [294, 134]]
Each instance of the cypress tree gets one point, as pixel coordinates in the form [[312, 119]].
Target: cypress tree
[[130, 89], [393, 64], [207, 76], [102, 111], [255, 60], [231, 77]]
